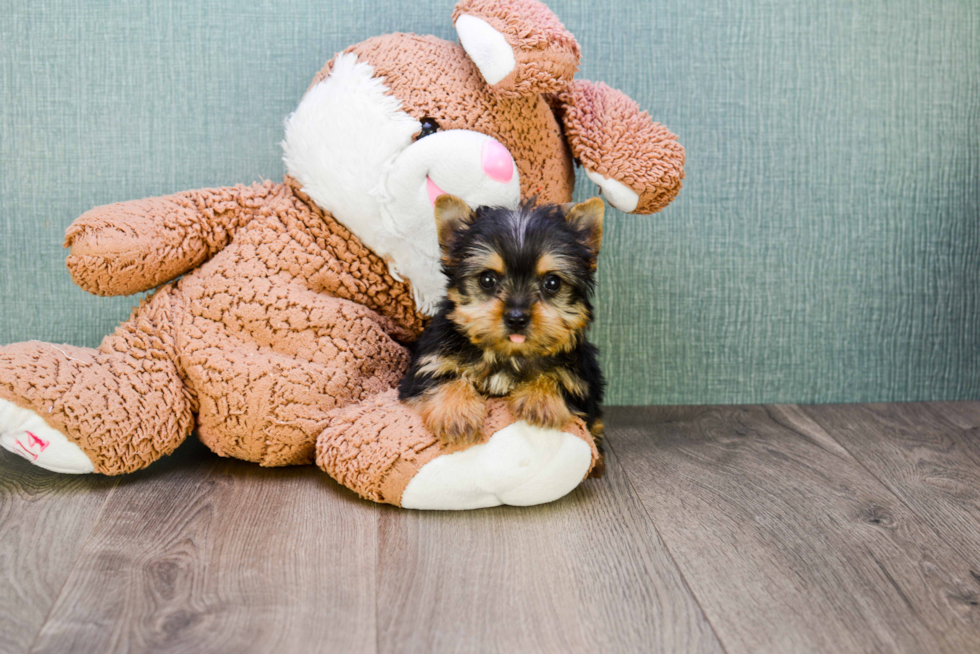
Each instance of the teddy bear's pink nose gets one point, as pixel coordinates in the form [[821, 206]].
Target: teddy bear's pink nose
[[497, 162]]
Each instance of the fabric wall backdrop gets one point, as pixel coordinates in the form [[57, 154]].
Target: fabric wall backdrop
[[826, 245]]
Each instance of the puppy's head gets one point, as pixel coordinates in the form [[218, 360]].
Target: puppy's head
[[520, 280]]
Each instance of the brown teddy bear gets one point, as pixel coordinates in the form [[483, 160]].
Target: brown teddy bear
[[279, 331]]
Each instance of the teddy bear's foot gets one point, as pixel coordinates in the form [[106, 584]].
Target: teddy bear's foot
[[25, 433], [381, 450], [519, 465], [118, 408]]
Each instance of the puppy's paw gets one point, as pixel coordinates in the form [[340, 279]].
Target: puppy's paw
[[598, 431], [540, 406], [454, 413], [455, 426], [598, 468]]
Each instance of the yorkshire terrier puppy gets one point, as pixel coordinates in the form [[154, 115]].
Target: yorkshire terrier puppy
[[513, 323]]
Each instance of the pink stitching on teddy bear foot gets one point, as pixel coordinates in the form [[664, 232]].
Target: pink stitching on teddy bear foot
[[24, 433], [34, 441]]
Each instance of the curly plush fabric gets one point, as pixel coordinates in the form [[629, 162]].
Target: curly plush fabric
[[114, 248], [611, 136], [129, 247], [547, 54]]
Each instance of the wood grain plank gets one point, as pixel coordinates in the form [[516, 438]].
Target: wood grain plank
[[44, 519], [205, 554], [927, 455], [584, 574], [966, 415], [787, 542]]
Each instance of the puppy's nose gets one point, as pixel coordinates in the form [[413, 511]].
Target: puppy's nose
[[516, 319], [497, 162]]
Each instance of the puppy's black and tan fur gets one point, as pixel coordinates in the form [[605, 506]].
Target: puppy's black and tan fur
[[514, 321]]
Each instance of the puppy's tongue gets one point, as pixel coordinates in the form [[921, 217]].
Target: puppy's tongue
[[517, 338]]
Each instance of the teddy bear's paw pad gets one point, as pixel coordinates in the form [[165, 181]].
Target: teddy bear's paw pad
[[520, 465], [24, 433], [619, 195], [487, 48]]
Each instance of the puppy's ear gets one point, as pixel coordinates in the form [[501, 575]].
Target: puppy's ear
[[587, 218], [452, 214]]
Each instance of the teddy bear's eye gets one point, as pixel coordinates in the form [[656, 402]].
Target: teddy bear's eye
[[429, 126]]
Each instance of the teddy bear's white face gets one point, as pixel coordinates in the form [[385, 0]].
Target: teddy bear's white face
[[362, 158]]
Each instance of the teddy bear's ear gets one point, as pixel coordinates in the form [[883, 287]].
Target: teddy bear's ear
[[519, 46]]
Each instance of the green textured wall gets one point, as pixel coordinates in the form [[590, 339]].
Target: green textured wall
[[826, 246]]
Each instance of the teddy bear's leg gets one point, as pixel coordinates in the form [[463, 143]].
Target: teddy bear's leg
[[111, 410], [381, 450], [266, 398]]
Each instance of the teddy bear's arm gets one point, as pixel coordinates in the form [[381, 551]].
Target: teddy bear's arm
[[129, 247], [520, 46], [636, 162]]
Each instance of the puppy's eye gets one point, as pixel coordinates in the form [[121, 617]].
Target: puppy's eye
[[488, 279], [552, 284], [429, 127]]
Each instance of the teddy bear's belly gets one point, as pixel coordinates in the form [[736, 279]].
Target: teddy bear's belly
[[267, 359]]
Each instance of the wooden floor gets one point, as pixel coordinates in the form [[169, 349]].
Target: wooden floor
[[716, 529]]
